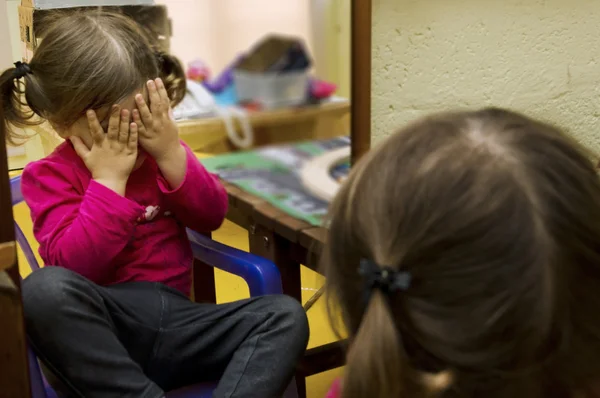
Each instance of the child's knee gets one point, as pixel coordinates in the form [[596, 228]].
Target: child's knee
[[46, 293], [290, 317]]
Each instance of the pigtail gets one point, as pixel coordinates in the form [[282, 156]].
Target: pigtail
[[378, 366], [170, 69], [15, 107], [173, 75]]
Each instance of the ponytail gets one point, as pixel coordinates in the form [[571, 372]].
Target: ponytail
[[377, 365], [170, 69], [16, 109], [173, 76]]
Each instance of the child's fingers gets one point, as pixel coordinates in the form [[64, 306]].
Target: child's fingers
[[138, 121], [124, 127], [144, 110], [113, 123], [79, 146], [96, 130], [155, 102], [162, 92], [133, 136]]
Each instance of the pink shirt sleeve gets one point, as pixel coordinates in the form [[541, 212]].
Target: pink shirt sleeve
[[200, 202], [336, 389], [81, 231]]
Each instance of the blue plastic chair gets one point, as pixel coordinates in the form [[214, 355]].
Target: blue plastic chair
[[261, 275]]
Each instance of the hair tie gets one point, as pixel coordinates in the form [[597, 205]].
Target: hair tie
[[21, 69], [385, 279]]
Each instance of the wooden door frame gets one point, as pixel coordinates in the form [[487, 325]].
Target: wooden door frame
[[360, 78], [14, 371]]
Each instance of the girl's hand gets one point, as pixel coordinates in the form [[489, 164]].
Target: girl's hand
[[159, 135], [112, 155]]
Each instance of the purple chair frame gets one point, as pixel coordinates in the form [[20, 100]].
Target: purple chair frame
[[261, 275]]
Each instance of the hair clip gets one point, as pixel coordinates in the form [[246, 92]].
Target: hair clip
[[386, 279], [21, 69]]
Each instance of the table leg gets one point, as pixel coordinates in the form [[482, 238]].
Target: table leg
[[265, 243], [204, 288]]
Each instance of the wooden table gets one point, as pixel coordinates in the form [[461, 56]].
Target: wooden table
[[276, 126], [288, 242]]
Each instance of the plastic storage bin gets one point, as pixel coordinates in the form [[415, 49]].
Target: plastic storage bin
[[271, 89]]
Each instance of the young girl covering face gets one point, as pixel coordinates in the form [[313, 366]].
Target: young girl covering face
[[464, 255], [109, 315]]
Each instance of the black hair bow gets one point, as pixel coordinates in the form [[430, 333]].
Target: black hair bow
[[386, 279], [21, 69]]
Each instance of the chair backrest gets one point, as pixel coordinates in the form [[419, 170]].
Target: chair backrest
[[17, 197]]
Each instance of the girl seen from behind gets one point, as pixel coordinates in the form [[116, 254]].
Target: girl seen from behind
[[464, 257], [109, 315]]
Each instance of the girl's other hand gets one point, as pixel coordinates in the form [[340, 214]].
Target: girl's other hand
[[158, 132], [112, 155]]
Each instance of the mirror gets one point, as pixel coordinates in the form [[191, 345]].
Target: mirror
[[211, 38]]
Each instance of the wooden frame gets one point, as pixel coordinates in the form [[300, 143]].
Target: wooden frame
[[14, 371], [13, 359], [360, 76]]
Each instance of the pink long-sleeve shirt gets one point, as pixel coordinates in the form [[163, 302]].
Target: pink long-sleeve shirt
[[108, 238], [336, 389]]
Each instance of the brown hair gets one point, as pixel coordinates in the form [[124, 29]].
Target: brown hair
[[497, 218], [86, 60]]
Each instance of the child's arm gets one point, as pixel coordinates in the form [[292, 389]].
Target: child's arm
[[196, 197], [83, 232], [199, 201]]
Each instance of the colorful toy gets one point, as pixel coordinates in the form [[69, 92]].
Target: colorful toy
[[320, 89], [198, 71], [225, 79]]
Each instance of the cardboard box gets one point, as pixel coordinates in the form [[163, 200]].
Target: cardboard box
[[153, 18], [49, 4]]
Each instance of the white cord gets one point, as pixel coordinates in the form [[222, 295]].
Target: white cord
[[247, 139]]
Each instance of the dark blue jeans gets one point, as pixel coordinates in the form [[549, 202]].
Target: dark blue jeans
[[141, 339]]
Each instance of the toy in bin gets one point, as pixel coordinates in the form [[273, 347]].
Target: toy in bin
[[274, 73], [198, 71]]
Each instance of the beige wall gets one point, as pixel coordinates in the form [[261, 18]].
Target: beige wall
[[5, 43], [537, 56], [330, 22], [216, 31], [11, 47]]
